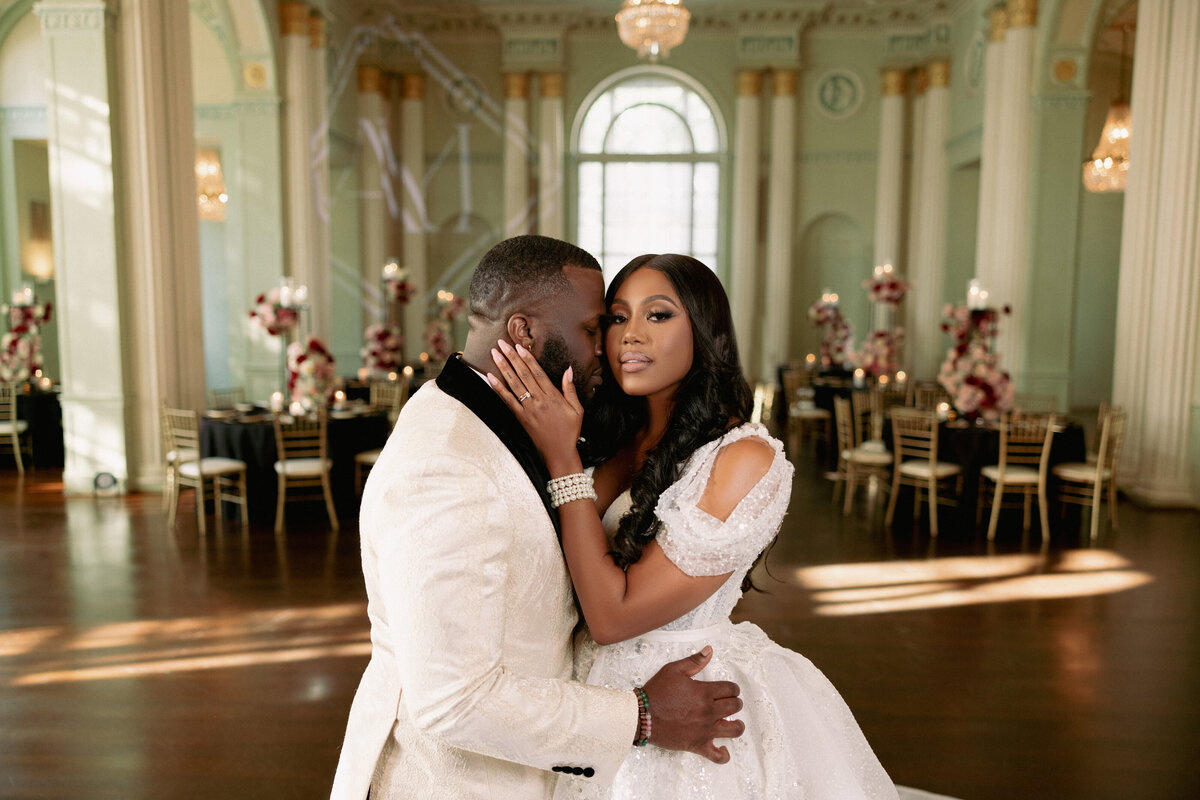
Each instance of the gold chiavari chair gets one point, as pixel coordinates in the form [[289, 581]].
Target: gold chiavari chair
[[801, 413], [1022, 469], [189, 470], [856, 464], [226, 398], [926, 396], [303, 462], [13, 430], [915, 445], [1087, 483], [391, 396], [1030, 404]]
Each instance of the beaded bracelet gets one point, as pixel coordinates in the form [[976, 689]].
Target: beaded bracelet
[[577, 486], [643, 718]]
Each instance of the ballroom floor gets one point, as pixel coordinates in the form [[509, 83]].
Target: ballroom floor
[[137, 662]]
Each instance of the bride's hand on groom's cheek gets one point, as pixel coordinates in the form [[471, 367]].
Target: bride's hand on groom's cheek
[[551, 416]]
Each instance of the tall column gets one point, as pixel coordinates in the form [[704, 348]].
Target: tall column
[[320, 286], [920, 82], [991, 147], [1010, 284], [412, 171], [889, 180], [372, 172], [516, 153], [744, 250], [297, 128], [928, 271], [780, 211], [551, 141], [1157, 366], [161, 272], [79, 93]]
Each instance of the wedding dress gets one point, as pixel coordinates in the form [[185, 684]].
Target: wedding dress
[[801, 740]]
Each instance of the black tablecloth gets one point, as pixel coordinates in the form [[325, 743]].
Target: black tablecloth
[[254, 443], [42, 411]]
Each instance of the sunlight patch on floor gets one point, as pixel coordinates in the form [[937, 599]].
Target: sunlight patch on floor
[[890, 586]]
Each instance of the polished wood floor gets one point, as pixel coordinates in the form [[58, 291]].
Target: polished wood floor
[[139, 662]]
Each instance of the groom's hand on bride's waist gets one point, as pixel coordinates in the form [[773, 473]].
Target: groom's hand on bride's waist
[[687, 714]]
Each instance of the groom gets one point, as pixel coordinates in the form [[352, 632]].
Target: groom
[[468, 691]]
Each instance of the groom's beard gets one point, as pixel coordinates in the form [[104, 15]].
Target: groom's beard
[[556, 357]]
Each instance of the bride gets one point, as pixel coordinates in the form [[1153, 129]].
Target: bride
[[687, 495]]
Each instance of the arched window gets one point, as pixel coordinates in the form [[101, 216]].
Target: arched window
[[648, 148]]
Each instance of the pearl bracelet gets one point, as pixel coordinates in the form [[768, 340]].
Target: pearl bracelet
[[568, 488]]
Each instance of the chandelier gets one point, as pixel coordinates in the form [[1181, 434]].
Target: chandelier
[[1108, 167], [652, 27], [210, 185]]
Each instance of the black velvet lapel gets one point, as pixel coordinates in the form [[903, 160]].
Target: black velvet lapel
[[461, 383]]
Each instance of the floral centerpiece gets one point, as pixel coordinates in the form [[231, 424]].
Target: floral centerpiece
[[884, 287], [20, 355], [397, 280], [971, 372], [879, 353], [439, 341], [311, 375], [383, 347], [837, 332], [28, 316], [272, 315]]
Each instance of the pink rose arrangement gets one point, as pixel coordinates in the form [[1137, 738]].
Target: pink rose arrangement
[[971, 372], [382, 349], [884, 287], [20, 355], [311, 374], [439, 342], [837, 332], [272, 316], [29, 317], [400, 289], [879, 353]]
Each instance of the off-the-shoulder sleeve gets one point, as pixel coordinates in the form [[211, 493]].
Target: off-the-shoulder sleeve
[[699, 543]]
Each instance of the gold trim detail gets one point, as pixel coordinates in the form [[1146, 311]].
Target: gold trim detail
[[551, 84], [412, 86], [784, 82], [316, 32], [749, 83], [370, 79], [516, 85], [920, 80], [893, 82], [938, 73], [1064, 70], [997, 24], [254, 74], [1022, 13], [293, 19]]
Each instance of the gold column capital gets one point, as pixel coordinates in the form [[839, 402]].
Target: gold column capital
[[784, 82], [293, 19], [938, 73], [370, 79], [749, 83], [551, 84], [412, 86], [316, 31], [997, 24], [1022, 13], [920, 80], [516, 85], [893, 81]]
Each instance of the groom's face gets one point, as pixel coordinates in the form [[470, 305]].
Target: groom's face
[[573, 337]]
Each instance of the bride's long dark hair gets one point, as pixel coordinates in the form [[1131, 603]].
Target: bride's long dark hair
[[712, 398]]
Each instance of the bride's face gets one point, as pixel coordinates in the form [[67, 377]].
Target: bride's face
[[649, 338]]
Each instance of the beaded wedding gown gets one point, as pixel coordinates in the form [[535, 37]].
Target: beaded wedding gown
[[801, 740]]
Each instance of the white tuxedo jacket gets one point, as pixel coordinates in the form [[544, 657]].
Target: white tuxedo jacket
[[468, 690]]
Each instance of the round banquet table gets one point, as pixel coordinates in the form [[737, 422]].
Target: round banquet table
[[252, 440], [42, 410]]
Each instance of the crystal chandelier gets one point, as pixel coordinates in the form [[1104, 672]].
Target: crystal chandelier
[[1108, 167], [210, 185], [652, 27]]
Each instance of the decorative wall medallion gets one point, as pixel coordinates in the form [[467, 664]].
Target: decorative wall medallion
[[464, 95], [1064, 70], [839, 93], [254, 73], [974, 63]]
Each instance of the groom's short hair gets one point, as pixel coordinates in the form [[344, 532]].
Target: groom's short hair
[[523, 272]]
